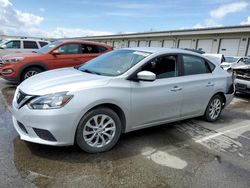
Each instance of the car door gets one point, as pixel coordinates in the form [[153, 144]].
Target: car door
[[70, 55], [11, 47], [67, 55], [160, 100], [198, 85], [29, 46]]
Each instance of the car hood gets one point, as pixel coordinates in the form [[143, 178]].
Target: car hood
[[60, 80], [242, 67], [20, 55], [226, 63]]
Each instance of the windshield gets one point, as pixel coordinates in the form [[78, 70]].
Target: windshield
[[114, 63], [231, 59], [247, 61], [48, 47], [2, 42]]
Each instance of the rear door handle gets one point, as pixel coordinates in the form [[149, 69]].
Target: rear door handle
[[210, 84], [176, 88]]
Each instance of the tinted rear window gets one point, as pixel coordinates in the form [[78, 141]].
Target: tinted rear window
[[30, 45]]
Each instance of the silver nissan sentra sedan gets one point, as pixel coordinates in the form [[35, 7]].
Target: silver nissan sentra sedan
[[121, 91]]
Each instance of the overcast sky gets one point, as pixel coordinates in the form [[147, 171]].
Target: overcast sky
[[70, 18]]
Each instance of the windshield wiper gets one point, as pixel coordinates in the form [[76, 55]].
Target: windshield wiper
[[91, 72], [34, 51]]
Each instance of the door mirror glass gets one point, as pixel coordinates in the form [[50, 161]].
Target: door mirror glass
[[146, 76]]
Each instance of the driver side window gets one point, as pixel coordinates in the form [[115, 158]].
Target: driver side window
[[69, 49], [163, 67]]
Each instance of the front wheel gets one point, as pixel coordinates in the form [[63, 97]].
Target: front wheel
[[30, 72], [98, 130], [214, 108]]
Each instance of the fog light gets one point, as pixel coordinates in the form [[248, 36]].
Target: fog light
[[7, 71]]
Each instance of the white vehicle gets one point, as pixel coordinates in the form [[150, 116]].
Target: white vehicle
[[231, 61], [118, 92], [217, 58], [12, 46]]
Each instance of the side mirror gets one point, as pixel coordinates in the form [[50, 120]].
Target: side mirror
[[146, 76], [55, 53]]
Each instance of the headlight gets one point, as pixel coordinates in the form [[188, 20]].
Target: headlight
[[52, 101], [14, 59]]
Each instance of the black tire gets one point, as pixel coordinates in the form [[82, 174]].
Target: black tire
[[80, 140], [34, 70], [207, 116]]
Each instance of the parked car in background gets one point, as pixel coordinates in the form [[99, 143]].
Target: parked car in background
[[231, 61], [11, 46], [242, 76], [18, 67], [121, 91], [217, 58]]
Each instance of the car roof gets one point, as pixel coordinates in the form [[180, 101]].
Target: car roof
[[38, 40], [163, 50], [83, 41]]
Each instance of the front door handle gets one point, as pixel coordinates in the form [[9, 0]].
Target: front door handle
[[176, 88], [210, 84]]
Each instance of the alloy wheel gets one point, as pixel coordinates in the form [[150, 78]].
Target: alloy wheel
[[215, 108], [29, 74], [99, 131]]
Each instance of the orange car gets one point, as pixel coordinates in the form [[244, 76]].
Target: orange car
[[58, 54]]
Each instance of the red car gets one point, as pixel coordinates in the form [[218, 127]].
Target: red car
[[18, 67]]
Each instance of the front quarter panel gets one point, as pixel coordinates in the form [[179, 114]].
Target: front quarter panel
[[117, 92]]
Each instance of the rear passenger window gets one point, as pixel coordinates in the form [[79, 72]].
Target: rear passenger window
[[195, 65], [30, 45], [89, 49], [42, 44]]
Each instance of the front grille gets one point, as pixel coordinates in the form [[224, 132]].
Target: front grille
[[241, 86], [22, 127], [20, 96], [23, 98], [44, 134], [243, 77]]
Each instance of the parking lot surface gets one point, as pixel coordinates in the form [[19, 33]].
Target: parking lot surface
[[190, 153]]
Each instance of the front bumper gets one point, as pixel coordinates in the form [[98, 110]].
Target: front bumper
[[40, 126], [242, 85]]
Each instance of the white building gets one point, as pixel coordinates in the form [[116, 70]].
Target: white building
[[231, 40]]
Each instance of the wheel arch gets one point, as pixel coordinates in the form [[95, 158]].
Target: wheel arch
[[220, 93], [118, 110], [40, 65]]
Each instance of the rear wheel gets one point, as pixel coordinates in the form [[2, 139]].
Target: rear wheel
[[98, 131], [214, 108], [30, 72]]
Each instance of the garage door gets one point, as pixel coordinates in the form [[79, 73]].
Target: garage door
[[168, 43], [185, 43], [248, 51], [109, 43], [155, 43], [143, 43], [117, 44], [132, 43], [205, 45], [229, 47]]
